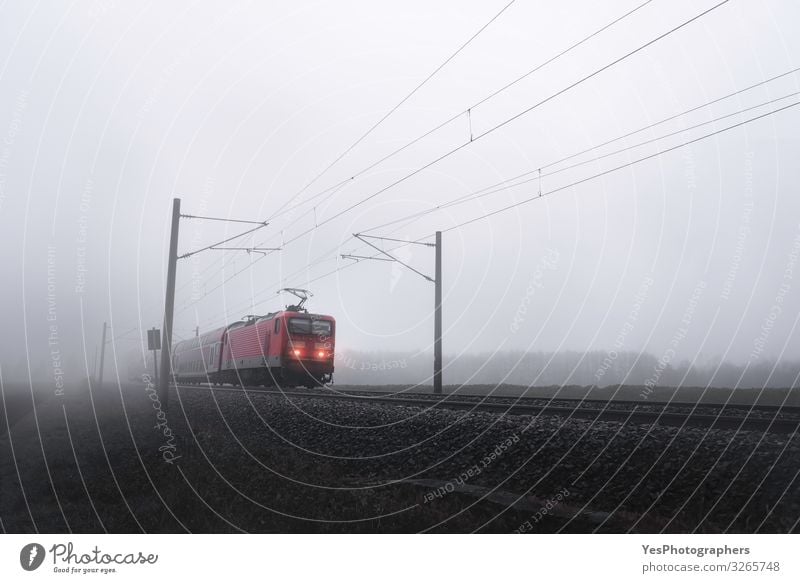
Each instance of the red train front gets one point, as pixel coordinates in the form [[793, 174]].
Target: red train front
[[287, 348]]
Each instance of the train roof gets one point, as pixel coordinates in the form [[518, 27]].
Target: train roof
[[214, 334], [309, 314], [217, 333]]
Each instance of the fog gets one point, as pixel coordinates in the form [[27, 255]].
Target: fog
[[109, 110]]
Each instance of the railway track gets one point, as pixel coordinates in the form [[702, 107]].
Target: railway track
[[762, 418]]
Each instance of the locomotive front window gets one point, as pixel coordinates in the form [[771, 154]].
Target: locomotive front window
[[308, 326], [321, 327], [299, 326]]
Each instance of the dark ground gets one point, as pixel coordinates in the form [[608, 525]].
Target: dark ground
[[90, 462], [700, 395]]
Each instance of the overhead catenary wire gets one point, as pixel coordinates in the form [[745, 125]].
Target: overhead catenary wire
[[623, 136], [511, 119], [210, 265], [329, 255], [332, 190], [399, 104], [248, 249], [363, 236], [213, 245], [482, 135], [322, 258], [620, 167], [306, 282], [467, 111], [220, 219], [392, 257], [223, 219], [361, 257], [675, 116], [494, 187], [509, 183], [576, 183]]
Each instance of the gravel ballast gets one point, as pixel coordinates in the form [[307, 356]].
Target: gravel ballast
[[256, 462]]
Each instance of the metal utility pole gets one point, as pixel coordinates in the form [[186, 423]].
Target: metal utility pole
[[167, 374], [154, 344], [155, 366], [102, 357], [437, 318], [437, 298], [169, 307]]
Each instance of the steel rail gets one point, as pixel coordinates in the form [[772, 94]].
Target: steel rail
[[625, 416]]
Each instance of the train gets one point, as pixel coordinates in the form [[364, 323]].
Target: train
[[287, 348]]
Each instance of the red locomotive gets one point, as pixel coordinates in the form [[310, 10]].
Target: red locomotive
[[286, 348]]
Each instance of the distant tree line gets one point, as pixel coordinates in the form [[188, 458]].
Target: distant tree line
[[596, 368]]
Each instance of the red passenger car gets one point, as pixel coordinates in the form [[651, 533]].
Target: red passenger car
[[287, 348]]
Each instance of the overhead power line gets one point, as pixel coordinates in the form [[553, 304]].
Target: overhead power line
[[399, 104], [592, 148], [480, 136], [270, 296], [587, 179], [330, 191], [466, 111], [333, 189], [361, 257], [511, 119], [509, 183], [261, 225], [620, 167], [675, 116], [389, 255], [575, 183], [264, 223], [248, 249], [363, 236]]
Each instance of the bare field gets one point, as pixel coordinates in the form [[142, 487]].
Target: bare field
[[703, 395], [108, 461]]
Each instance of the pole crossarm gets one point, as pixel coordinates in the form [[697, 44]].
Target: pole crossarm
[[362, 236], [264, 223], [218, 243], [362, 257], [391, 257], [262, 250]]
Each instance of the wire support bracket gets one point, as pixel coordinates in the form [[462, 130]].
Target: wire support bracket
[[263, 223], [392, 257], [218, 243]]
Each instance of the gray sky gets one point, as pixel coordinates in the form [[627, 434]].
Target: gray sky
[[109, 109]]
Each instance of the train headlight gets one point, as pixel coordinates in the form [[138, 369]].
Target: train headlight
[[321, 354], [297, 352]]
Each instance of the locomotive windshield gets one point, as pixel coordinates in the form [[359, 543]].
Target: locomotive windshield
[[299, 326], [321, 327], [308, 326]]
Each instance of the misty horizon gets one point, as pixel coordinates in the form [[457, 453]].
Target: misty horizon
[[400, 267], [690, 253]]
